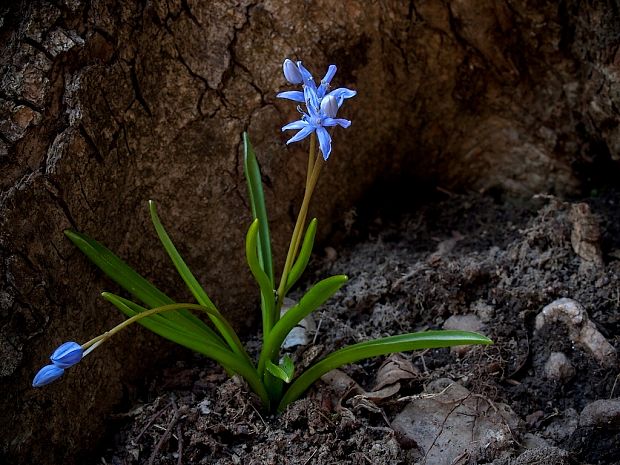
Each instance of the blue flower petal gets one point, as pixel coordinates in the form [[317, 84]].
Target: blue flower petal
[[331, 71], [345, 123], [329, 106], [46, 375], [295, 95], [325, 141], [68, 354], [313, 103], [308, 79], [305, 132], [295, 125], [342, 93], [291, 72]]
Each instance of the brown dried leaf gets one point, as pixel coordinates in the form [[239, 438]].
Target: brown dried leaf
[[395, 368], [341, 383]]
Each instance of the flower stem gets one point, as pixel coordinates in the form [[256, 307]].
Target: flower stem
[[314, 169], [108, 334]]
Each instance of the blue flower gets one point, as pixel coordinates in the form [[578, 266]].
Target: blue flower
[[67, 355], [291, 72], [308, 81], [321, 106], [46, 375]]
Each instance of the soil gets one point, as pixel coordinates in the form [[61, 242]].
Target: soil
[[497, 263]]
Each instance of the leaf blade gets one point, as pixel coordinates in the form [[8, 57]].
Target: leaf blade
[[232, 362], [126, 277], [257, 202], [230, 336], [363, 350], [284, 371], [304, 256], [315, 297], [265, 285]]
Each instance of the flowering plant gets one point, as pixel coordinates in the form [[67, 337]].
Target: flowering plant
[[271, 377]]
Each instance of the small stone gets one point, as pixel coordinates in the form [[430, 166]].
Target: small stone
[[603, 413], [330, 254], [558, 367], [463, 323], [562, 427], [300, 334], [581, 330], [484, 311]]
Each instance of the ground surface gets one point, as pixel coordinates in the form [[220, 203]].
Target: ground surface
[[544, 393]]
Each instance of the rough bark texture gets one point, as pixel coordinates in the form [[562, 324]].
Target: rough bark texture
[[106, 104]]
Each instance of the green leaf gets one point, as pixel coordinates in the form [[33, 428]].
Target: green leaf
[[192, 283], [257, 202], [387, 345], [314, 298], [304, 256], [265, 285], [232, 362], [132, 282], [284, 371]]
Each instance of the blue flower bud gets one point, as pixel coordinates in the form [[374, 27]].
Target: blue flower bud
[[68, 354], [291, 72], [46, 375], [329, 106]]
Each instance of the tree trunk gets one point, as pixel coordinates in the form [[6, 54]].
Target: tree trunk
[[106, 104]]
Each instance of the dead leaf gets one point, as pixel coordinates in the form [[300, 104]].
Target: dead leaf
[[395, 368], [341, 383]]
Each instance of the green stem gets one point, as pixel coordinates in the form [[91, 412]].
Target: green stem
[[298, 230], [223, 356], [147, 313]]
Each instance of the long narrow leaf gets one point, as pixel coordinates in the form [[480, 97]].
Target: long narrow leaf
[[192, 283], [304, 256], [132, 282], [313, 299], [388, 345], [229, 360], [257, 201], [265, 285]]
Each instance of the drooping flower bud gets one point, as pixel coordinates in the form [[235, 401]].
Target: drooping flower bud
[[68, 354], [46, 375], [291, 72], [329, 106]]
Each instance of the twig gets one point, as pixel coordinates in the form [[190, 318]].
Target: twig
[[316, 333], [310, 458], [613, 388], [151, 420], [443, 423], [179, 445], [259, 415], [166, 434], [425, 395]]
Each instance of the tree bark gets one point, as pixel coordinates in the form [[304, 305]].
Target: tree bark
[[106, 104]]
